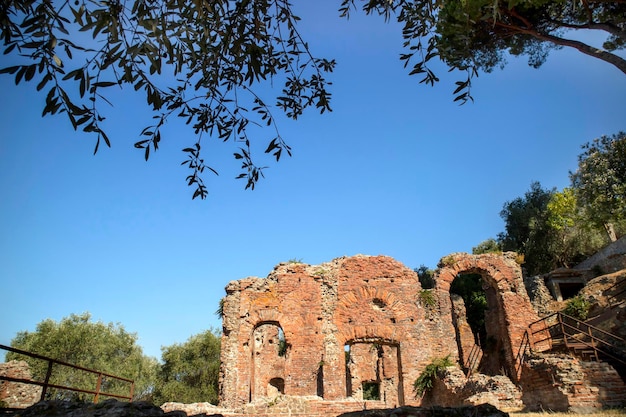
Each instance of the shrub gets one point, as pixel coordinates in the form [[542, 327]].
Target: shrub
[[220, 309], [578, 308], [425, 381], [447, 261], [427, 298]]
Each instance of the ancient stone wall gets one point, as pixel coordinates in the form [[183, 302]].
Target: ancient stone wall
[[17, 394], [355, 331], [347, 326], [565, 383]]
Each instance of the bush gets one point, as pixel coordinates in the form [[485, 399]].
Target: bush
[[425, 381], [578, 308], [427, 298]]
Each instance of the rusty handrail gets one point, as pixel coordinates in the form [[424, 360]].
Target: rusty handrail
[[525, 346], [46, 384], [613, 297], [579, 322], [571, 332], [473, 359], [594, 342]]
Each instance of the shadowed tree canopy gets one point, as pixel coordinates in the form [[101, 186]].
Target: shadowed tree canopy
[[475, 34], [206, 61]]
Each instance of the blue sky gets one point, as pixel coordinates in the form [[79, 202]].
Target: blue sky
[[396, 169]]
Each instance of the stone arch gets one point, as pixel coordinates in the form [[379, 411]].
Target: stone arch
[[370, 312], [268, 361], [510, 309]]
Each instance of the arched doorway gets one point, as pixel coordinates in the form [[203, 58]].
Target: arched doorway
[[476, 318], [269, 354], [508, 311]]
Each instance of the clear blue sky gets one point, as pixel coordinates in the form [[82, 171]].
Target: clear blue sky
[[396, 169]]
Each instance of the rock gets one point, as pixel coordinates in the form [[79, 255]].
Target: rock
[[107, 408], [483, 410]]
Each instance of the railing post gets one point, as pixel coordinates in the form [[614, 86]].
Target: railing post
[[593, 343], [44, 390], [98, 385], [562, 326], [132, 391]]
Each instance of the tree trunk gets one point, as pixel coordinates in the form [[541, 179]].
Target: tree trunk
[[610, 230], [615, 60]]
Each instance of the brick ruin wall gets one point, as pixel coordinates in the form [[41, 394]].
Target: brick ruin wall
[[566, 383], [17, 394], [353, 333], [345, 323]]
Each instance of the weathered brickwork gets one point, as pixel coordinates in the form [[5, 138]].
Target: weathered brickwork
[[565, 383], [17, 394], [509, 309], [355, 327]]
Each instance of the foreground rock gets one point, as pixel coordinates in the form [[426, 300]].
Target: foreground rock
[[108, 408], [483, 410], [114, 408]]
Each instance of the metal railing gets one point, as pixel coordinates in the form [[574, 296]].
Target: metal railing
[[473, 359], [561, 330], [46, 384], [620, 288], [523, 351]]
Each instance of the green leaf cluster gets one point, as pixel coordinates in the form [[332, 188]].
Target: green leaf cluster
[[487, 246], [194, 60], [427, 298], [425, 276], [477, 35]]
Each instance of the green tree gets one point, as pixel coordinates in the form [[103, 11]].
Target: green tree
[[476, 35], [77, 340], [190, 371], [527, 230], [425, 276], [600, 182], [576, 238], [487, 246]]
